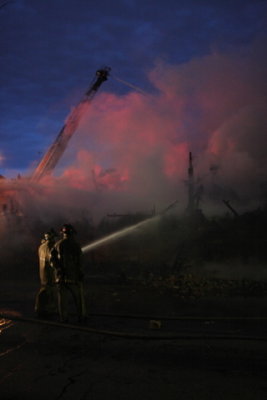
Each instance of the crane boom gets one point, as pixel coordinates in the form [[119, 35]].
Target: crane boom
[[56, 150]]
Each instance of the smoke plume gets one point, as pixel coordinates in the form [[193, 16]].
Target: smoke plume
[[131, 152]]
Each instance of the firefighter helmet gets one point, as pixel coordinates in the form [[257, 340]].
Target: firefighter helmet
[[50, 235], [67, 229]]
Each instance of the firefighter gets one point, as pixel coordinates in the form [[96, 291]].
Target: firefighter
[[66, 258], [46, 299]]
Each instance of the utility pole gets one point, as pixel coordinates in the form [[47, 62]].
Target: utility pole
[[191, 186]]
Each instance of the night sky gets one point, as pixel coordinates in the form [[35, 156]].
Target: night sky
[[201, 64]]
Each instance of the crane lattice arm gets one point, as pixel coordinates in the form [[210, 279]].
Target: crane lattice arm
[[56, 150]]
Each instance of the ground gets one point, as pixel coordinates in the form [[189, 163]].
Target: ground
[[193, 346]]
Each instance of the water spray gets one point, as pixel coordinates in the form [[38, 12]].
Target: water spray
[[118, 234], [138, 89]]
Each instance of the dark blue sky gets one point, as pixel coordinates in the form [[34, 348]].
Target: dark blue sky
[[50, 50]]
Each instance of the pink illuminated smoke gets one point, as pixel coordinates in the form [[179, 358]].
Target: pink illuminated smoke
[[131, 152]]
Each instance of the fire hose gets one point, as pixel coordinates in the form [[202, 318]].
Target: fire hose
[[126, 335]]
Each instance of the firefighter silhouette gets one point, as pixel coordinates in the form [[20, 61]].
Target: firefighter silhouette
[[46, 299], [66, 259]]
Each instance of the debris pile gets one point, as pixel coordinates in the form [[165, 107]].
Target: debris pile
[[193, 286]]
